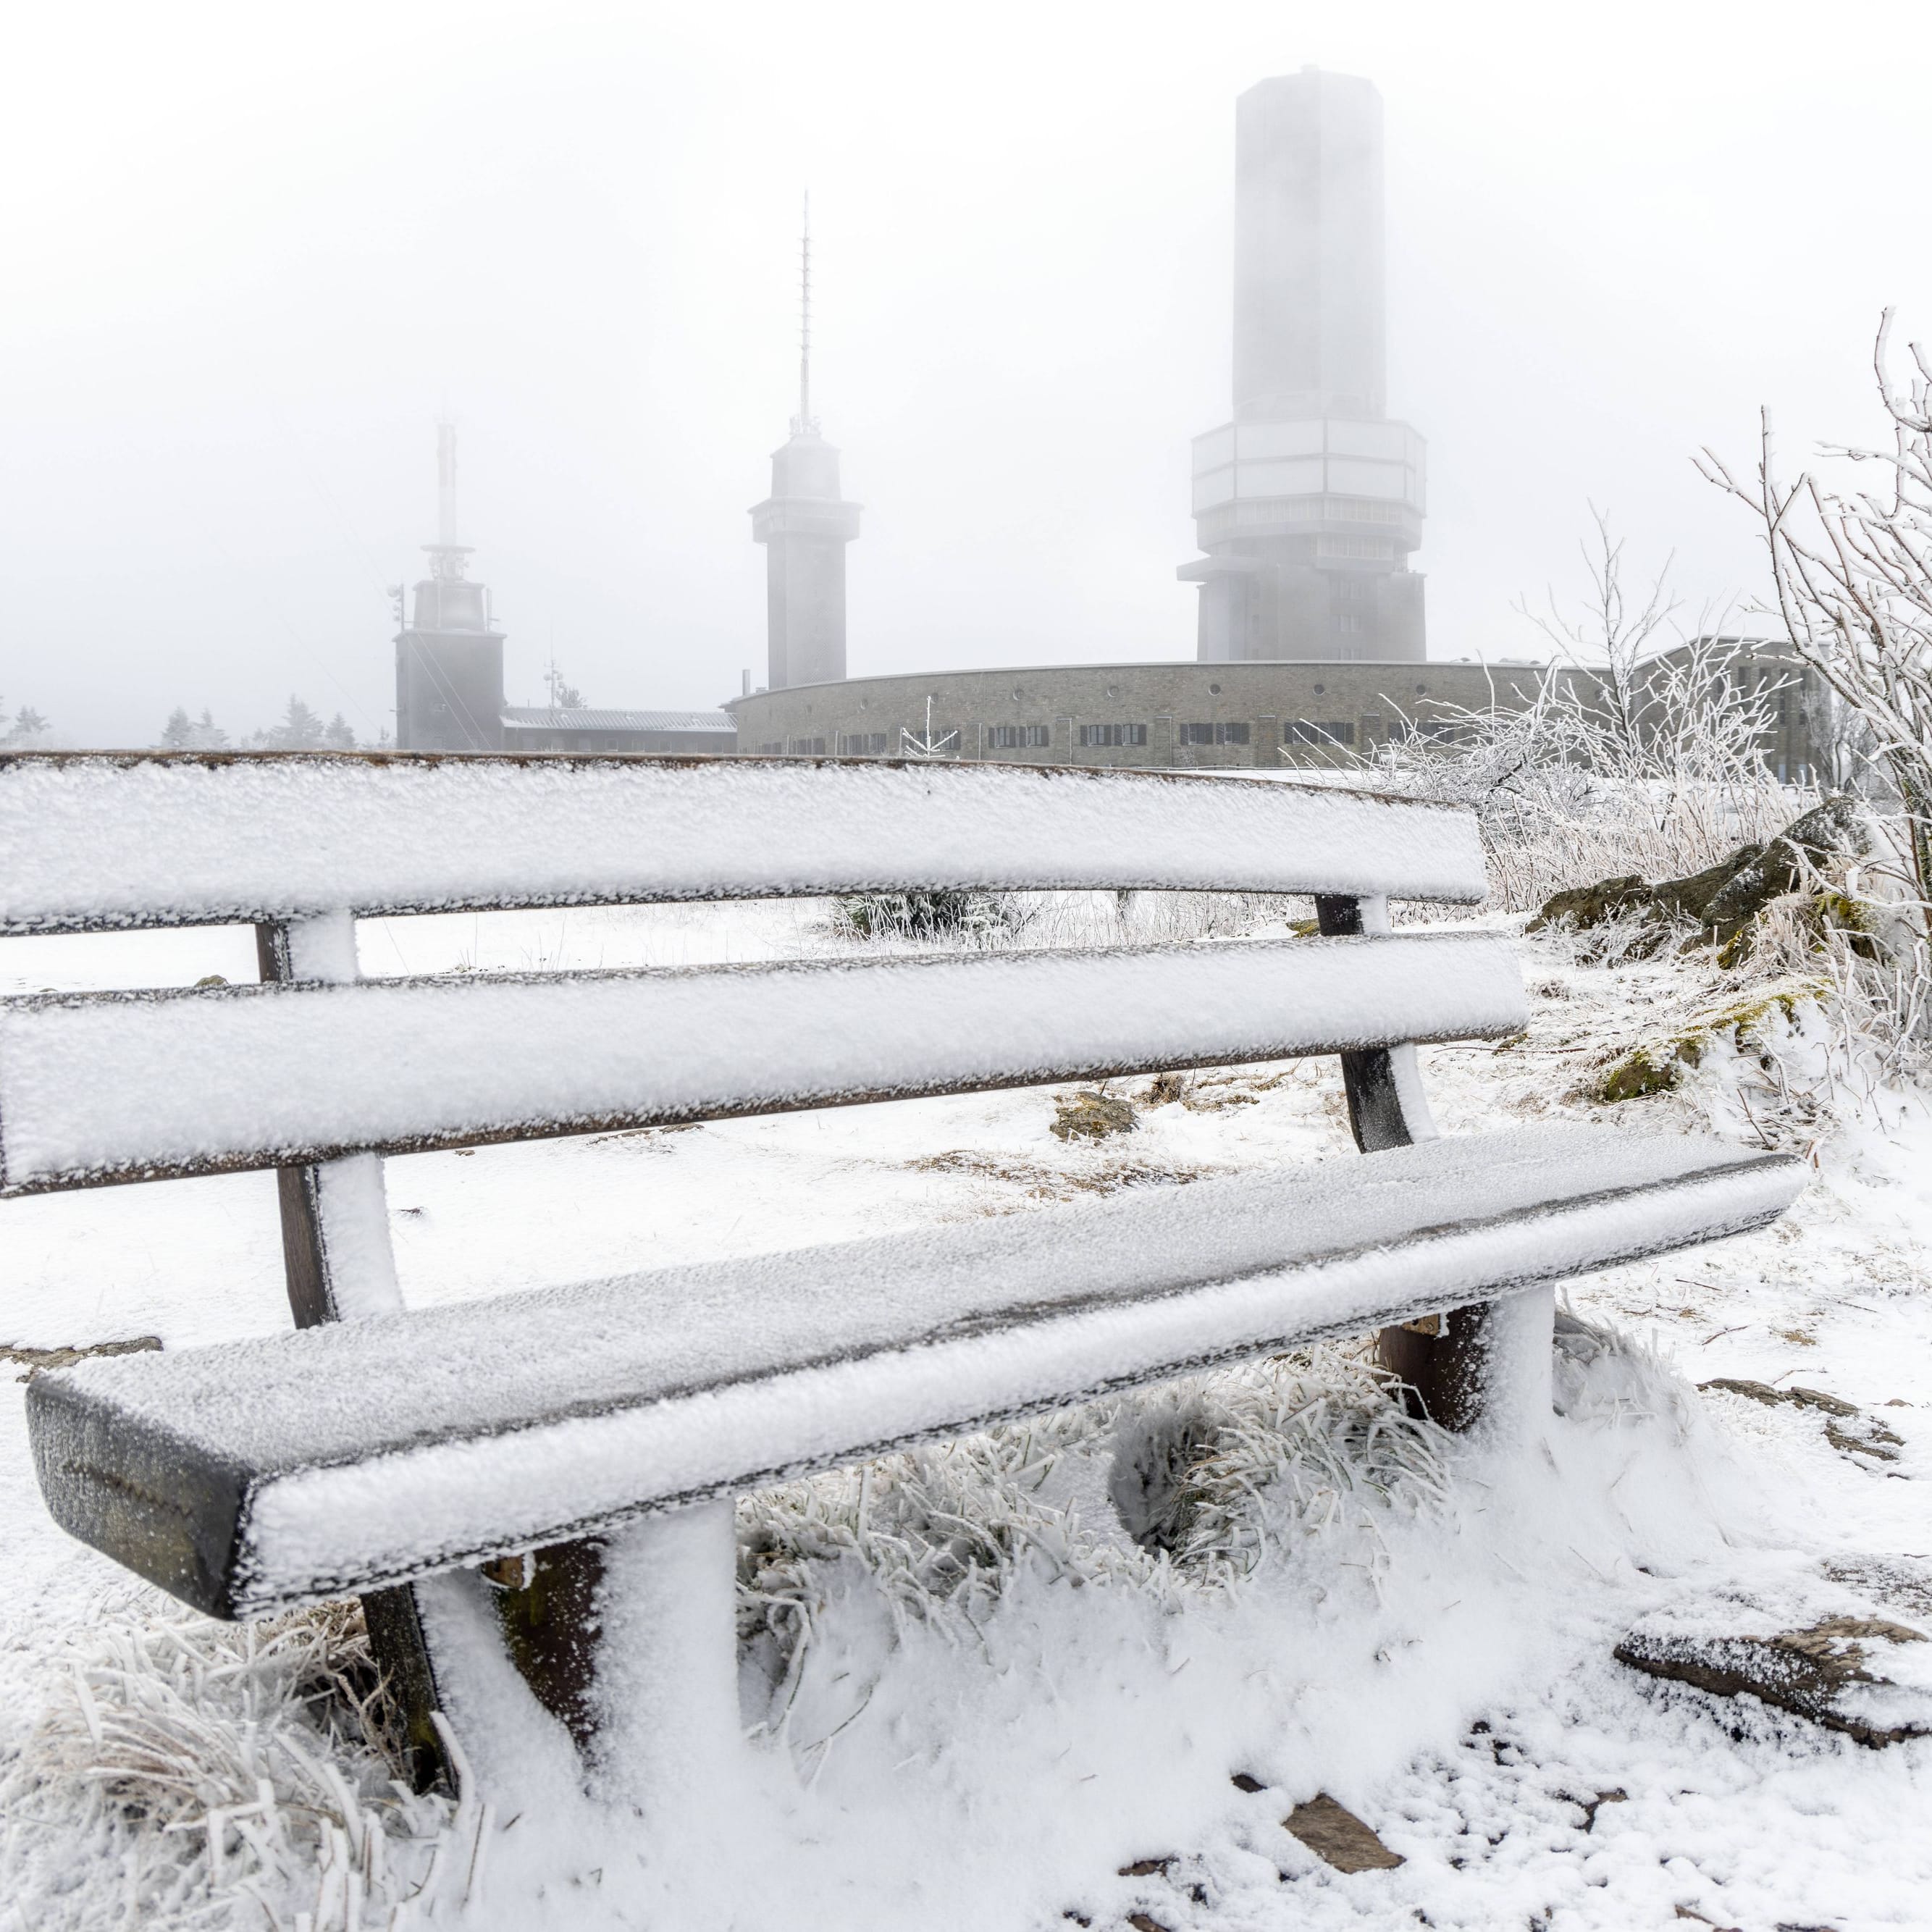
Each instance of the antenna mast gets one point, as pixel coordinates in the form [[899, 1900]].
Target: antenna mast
[[805, 422], [446, 555]]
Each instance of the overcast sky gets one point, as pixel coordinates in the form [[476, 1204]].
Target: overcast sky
[[249, 254]]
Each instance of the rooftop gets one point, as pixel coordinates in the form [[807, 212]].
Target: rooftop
[[536, 718]]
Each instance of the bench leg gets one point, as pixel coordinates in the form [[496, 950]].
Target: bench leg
[[1485, 1367], [666, 1689]]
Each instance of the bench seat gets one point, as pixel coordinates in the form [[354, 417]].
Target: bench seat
[[250, 1477]]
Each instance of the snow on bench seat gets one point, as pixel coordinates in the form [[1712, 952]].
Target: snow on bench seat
[[90, 841], [246, 1076], [253, 1476]]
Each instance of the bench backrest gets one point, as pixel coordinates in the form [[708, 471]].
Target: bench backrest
[[320, 1066]]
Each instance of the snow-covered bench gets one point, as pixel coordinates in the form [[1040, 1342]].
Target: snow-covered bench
[[385, 1451]]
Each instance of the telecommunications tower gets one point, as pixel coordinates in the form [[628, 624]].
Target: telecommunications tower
[[1309, 502], [805, 525]]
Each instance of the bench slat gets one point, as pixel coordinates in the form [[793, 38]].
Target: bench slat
[[254, 1475], [251, 1076], [96, 842]]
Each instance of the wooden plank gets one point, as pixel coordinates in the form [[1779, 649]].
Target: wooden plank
[[241, 1076], [254, 1474], [98, 842]]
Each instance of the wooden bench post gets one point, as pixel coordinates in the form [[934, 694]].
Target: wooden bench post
[[1471, 1366], [665, 1687], [337, 1260]]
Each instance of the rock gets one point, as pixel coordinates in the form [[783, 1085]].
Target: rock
[[1593, 1805], [1872, 1439], [1092, 1116], [1903, 1583], [1335, 1835], [1655, 1065], [1243, 1782], [1724, 901], [35, 1359], [1804, 1398], [1818, 1673], [1595, 905], [1878, 1441]]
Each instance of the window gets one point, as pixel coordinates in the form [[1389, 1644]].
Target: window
[[1018, 737], [808, 748], [862, 744], [1113, 734], [1215, 734], [1300, 731], [1349, 621]]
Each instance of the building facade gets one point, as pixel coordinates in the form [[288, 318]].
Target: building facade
[[1183, 715], [1309, 502], [589, 728]]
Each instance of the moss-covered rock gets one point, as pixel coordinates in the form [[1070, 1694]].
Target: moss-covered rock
[[1653, 1067], [1092, 1116], [1724, 901]]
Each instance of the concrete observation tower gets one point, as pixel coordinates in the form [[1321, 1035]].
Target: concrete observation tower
[[1309, 502], [805, 526]]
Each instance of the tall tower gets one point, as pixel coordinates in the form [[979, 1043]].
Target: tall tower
[[805, 526], [1309, 503], [449, 660]]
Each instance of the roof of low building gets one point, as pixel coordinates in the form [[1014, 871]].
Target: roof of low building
[[536, 718]]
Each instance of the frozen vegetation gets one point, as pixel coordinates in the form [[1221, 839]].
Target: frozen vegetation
[[1088, 1665]]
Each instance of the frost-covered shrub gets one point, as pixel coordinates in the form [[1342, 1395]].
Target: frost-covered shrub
[[222, 1775], [1610, 1376], [1216, 1472], [1203, 1476], [938, 917]]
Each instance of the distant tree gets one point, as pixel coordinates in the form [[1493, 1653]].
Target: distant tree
[[300, 729], [184, 733], [26, 728], [338, 736]]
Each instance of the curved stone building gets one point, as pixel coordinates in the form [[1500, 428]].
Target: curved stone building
[[1186, 714]]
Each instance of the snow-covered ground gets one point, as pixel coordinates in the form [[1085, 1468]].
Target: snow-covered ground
[[976, 1700]]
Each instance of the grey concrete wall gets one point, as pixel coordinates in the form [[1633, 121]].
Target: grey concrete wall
[[1370, 702], [1369, 699], [449, 690], [805, 596]]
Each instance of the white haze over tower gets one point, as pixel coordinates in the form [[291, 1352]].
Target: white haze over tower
[[249, 254]]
